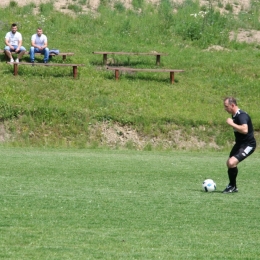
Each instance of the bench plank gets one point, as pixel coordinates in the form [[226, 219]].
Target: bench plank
[[63, 54], [118, 69], [105, 53], [74, 66]]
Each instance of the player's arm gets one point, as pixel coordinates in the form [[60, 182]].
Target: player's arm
[[33, 44], [243, 129], [19, 45], [45, 43], [7, 43]]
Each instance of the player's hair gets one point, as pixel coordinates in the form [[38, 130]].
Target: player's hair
[[13, 24], [231, 100]]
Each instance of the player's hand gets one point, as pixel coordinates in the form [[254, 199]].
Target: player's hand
[[230, 121]]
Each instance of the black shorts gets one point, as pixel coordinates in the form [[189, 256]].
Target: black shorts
[[241, 152]]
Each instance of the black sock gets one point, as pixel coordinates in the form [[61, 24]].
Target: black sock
[[232, 174]]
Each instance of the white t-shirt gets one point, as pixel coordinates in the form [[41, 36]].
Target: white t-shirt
[[40, 41], [13, 39]]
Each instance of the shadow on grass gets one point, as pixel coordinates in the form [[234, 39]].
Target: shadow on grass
[[2, 57], [36, 71], [119, 63], [141, 77]]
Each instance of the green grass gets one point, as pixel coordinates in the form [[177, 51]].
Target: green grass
[[43, 106], [98, 204]]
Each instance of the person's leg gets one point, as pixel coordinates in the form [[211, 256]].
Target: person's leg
[[237, 155], [232, 171], [21, 52], [32, 53], [46, 55], [7, 51]]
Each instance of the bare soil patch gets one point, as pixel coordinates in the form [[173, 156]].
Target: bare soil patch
[[62, 5], [114, 135]]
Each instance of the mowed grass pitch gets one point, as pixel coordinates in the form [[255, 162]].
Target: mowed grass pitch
[[99, 204]]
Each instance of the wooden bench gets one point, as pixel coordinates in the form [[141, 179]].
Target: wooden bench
[[105, 53], [118, 69], [63, 54], [74, 66]]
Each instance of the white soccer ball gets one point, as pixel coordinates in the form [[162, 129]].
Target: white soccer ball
[[209, 185]]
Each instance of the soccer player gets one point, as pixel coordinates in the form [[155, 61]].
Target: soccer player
[[245, 142]]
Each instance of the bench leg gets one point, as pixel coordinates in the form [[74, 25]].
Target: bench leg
[[117, 74], [172, 77], [15, 69], [105, 59], [75, 71], [158, 57], [6, 57], [64, 57]]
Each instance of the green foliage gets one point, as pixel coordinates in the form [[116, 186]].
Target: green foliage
[[46, 8], [82, 2], [229, 7], [28, 9], [203, 28], [75, 8], [119, 6], [13, 4], [250, 19], [138, 4], [7, 111], [165, 12]]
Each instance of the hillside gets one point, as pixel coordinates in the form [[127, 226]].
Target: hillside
[[219, 53]]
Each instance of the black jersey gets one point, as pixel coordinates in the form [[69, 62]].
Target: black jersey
[[241, 118]]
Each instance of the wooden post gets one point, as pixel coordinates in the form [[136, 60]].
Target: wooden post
[[64, 57], [105, 58], [172, 77], [75, 71], [117, 74], [15, 69], [158, 59]]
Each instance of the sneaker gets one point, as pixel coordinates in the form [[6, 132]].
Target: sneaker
[[17, 60], [230, 189], [45, 62], [12, 60], [32, 61]]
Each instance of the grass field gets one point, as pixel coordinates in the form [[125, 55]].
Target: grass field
[[46, 107], [100, 204]]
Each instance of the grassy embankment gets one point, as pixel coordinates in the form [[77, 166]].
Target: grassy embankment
[[46, 107]]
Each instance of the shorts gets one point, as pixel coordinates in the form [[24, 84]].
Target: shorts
[[15, 47], [241, 152]]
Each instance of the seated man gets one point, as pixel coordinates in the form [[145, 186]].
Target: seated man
[[13, 43], [39, 45]]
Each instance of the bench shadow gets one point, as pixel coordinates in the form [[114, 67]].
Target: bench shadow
[[39, 72], [2, 58], [118, 64], [133, 76]]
